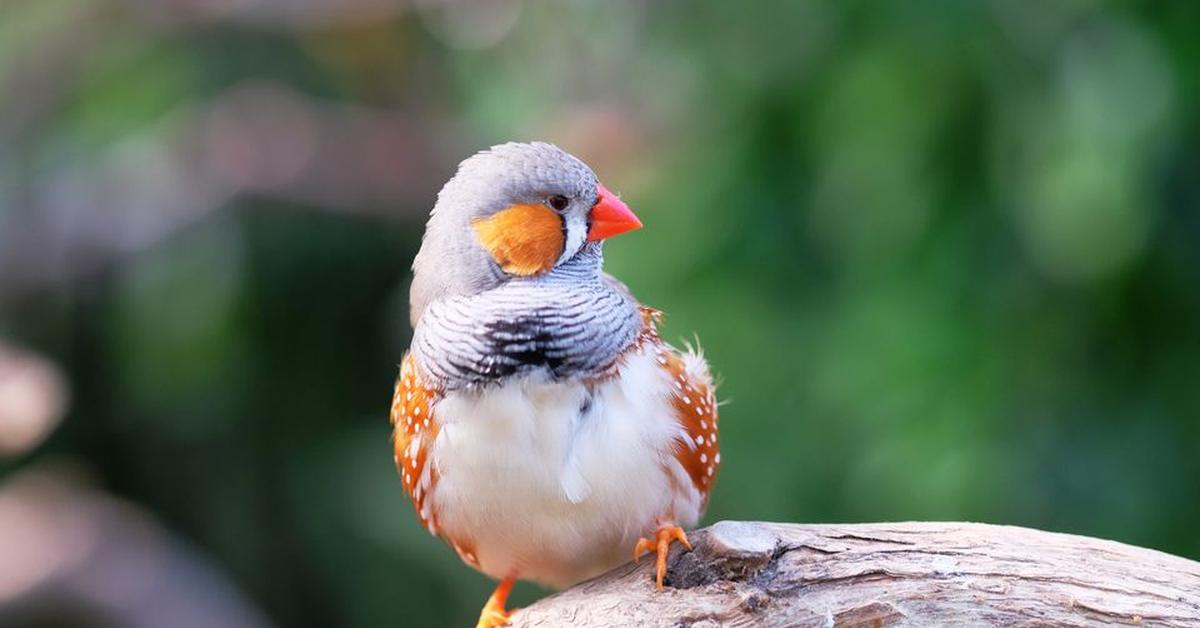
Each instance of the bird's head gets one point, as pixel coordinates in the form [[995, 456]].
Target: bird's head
[[513, 210]]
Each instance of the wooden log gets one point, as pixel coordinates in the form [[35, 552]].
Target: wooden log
[[886, 574]]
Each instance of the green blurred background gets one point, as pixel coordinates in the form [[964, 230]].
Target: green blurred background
[[944, 255]]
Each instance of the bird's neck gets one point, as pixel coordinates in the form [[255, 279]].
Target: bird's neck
[[571, 322], [584, 266]]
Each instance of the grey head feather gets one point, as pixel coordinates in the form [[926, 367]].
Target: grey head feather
[[474, 324], [451, 262]]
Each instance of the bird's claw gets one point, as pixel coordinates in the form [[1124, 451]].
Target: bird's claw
[[493, 614], [661, 546], [492, 619]]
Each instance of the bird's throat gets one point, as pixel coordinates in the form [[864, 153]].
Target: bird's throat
[[560, 328]]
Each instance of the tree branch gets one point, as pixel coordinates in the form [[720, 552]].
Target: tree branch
[[886, 574]]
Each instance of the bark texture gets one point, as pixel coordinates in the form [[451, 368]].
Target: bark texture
[[886, 574]]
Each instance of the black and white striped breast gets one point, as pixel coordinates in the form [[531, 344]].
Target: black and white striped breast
[[562, 324]]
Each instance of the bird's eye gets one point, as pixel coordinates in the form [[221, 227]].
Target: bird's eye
[[558, 202]]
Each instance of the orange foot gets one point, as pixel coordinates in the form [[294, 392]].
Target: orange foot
[[661, 546], [493, 614]]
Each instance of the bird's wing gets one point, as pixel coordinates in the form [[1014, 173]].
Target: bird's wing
[[413, 430], [693, 399]]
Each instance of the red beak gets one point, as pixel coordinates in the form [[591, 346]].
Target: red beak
[[610, 216]]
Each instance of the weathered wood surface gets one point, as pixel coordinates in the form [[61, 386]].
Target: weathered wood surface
[[886, 574]]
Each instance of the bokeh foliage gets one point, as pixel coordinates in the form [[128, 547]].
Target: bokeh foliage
[[944, 255]]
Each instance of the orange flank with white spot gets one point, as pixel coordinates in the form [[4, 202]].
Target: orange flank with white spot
[[694, 400], [413, 432]]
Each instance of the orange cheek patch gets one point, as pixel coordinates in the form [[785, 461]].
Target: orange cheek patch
[[523, 239]]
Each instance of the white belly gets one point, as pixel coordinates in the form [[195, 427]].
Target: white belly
[[550, 493]]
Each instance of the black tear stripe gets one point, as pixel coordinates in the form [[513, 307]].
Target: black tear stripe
[[564, 324]]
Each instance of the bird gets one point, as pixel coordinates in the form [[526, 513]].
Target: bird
[[540, 425]]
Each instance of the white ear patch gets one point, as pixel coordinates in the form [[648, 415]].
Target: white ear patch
[[576, 234]]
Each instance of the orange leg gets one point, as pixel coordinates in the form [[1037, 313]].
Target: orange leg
[[493, 614], [661, 546]]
